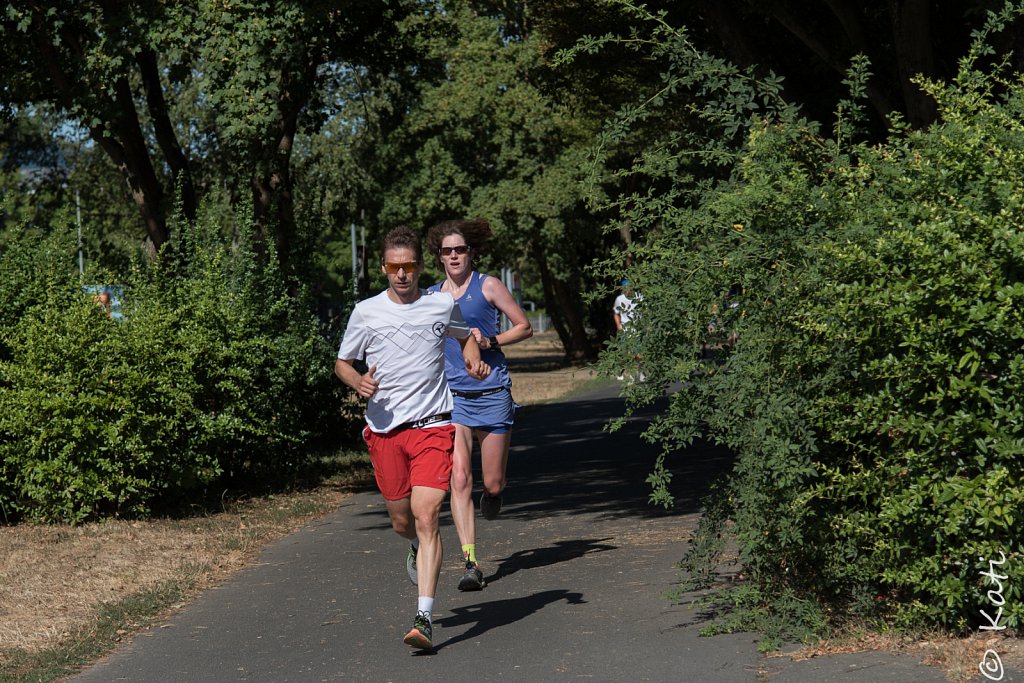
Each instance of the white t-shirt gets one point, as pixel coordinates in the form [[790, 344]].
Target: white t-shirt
[[624, 307], [406, 344]]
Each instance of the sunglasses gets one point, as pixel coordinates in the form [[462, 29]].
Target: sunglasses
[[460, 250], [410, 267]]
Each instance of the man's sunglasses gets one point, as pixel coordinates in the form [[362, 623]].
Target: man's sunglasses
[[409, 267], [460, 250]]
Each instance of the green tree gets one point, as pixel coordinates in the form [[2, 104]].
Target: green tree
[[212, 379], [342, 167], [182, 95]]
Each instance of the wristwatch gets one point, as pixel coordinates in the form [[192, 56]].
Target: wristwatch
[[494, 342]]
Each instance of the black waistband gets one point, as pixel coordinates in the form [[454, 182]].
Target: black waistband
[[477, 394], [425, 422]]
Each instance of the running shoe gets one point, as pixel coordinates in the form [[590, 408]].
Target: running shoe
[[490, 506], [473, 578], [421, 632], [410, 564]]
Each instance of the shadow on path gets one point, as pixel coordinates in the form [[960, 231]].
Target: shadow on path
[[560, 551], [563, 461], [497, 614]]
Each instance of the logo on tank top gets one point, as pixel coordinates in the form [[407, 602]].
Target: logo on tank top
[[439, 329]]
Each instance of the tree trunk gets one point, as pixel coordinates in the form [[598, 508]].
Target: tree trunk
[[147, 197], [165, 135], [911, 28], [123, 142], [137, 168], [274, 190], [274, 208], [566, 317]]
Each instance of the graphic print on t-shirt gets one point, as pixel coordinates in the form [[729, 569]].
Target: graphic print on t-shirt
[[406, 336]]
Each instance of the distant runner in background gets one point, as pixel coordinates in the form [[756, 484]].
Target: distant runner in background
[[623, 306], [624, 311], [484, 408]]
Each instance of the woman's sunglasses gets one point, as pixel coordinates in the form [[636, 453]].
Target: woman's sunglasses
[[460, 250]]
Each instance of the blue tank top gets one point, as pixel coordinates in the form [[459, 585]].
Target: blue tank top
[[480, 314]]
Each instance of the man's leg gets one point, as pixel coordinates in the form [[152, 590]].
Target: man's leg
[[426, 508], [463, 512], [429, 454], [391, 470], [400, 512]]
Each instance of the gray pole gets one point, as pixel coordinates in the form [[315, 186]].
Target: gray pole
[[78, 219], [355, 261], [506, 279]]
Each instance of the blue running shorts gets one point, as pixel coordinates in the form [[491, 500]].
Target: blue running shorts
[[491, 413]]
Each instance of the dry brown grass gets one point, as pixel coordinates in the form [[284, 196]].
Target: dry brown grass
[[54, 579], [958, 658], [539, 373]]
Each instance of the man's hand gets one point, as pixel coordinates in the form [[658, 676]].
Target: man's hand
[[367, 386], [364, 385], [477, 370]]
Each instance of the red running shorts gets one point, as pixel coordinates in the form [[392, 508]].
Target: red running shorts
[[411, 457]]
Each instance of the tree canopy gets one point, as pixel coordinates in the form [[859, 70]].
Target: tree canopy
[[185, 95]]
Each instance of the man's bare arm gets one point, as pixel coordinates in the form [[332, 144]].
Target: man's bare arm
[[365, 385], [476, 368]]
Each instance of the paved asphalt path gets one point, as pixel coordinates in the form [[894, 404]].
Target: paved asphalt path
[[577, 566]]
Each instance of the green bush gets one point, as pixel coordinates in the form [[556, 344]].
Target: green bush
[[32, 264], [215, 377], [94, 414], [927, 424], [873, 396]]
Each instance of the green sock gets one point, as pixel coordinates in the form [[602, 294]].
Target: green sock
[[469, 552]]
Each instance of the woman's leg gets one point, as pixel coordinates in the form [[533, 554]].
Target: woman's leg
[[494, 460]]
